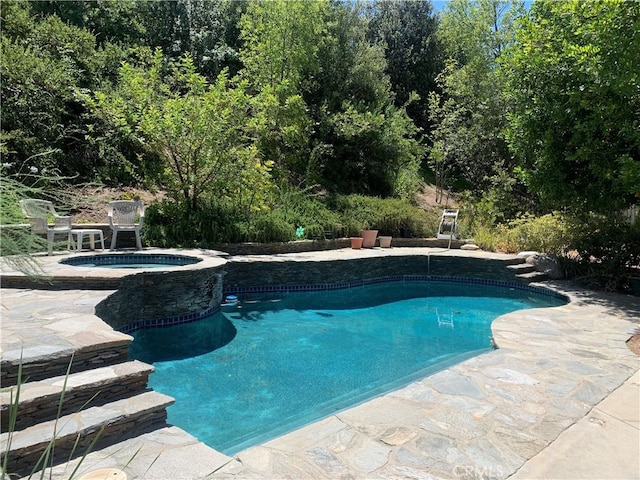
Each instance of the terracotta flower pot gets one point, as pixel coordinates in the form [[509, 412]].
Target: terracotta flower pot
[[356, 242], [385, 241], [369, 238]]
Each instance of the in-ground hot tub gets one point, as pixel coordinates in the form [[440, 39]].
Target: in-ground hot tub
[[131, 260]]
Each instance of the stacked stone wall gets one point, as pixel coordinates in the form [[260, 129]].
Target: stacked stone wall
[[294, 273], [158, 295], [57, 365]]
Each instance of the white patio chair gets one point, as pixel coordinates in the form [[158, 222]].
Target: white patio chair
[[126, 216], [39, 213]]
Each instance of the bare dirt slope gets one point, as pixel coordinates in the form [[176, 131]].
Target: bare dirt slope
[[426, 199], [89, 204]]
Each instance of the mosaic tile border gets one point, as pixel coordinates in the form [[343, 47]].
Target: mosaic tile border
[[142, 258], [395, 278], [192, 317], [169, 321]]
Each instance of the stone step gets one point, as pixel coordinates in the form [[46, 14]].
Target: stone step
[[532, 277], [40, 401], [73, 435], [515, 260], [86, 351], [521, 268]]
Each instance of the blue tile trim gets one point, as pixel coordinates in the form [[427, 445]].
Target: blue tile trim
[[394, 278], [169, 321], [128, 258], [192, 317]]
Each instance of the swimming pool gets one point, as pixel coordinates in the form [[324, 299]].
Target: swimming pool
[[132, 261], [279, 361]]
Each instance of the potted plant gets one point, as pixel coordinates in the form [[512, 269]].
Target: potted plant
[[356, 242], [368, 238], [385, 241]]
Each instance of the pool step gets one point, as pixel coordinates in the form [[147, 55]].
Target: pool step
[[75, 433], [525, 271], [40, 400], [534, 276], [93, 349], [514, 260], [520, 268]]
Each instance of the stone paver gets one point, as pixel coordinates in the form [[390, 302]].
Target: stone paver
[[605, 444], [483, 418], [525, 409]]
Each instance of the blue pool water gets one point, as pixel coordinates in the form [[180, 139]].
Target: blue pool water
[[132, 260], [279, 361]]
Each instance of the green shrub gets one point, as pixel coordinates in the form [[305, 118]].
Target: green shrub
[[545, 234], [270, 226], [169, 224], [604, 252], [393, 217], [302, 209], [485, 237]]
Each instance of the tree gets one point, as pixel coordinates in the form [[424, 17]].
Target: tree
[[281, 41], [45, 62], [200, 131], [114, 21], [408, 31], [470, 115], [361, 142], [42, 63], [573, 78], [205, 29]]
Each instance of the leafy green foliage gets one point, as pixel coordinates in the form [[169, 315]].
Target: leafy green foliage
[[373, 152], [393, 217], [221, 221], [44, 63], [200, 131], [361, 143], [413, 53], [116, 21], [573, 79], [470, 114], [281, 41], [545, 234], [206, 30], [607, 251], [41, 66]]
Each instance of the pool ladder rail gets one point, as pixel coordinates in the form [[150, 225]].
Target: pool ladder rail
[[443, 321]]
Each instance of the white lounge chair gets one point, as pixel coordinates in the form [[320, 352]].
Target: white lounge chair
[[126, 216], [39, 212]]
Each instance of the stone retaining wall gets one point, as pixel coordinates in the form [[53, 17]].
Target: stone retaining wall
[[320, 245], [292, 273], [161, 295]]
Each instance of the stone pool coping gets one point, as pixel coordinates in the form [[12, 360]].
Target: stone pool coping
[[70, 276], [488, 417]]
